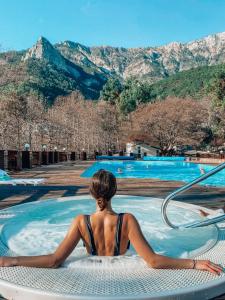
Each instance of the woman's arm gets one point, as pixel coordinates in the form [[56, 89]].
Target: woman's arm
[[51, 260], [159, 261]]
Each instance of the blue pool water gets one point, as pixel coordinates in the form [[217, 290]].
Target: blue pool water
[[38, 227], [163, 170], [4, 176], [165, 158]]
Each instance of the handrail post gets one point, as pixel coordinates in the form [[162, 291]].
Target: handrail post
[[183, 189]]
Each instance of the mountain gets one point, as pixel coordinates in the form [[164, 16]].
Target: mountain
[[89, 83], [151, 63], [51, 70]]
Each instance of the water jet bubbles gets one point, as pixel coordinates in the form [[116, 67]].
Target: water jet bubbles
[[49, 221]]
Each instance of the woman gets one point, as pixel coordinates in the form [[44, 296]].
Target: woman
[[106, 233]]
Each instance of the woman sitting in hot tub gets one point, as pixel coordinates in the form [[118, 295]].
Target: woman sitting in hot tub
[[107, 233]]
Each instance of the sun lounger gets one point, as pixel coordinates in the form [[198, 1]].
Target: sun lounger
[[5, 179], [22, 181]]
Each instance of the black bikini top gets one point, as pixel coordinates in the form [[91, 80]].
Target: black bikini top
[[117, 236]]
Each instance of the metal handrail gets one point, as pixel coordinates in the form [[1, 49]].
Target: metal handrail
[[185, 188]]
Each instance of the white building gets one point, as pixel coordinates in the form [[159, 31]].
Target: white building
[[141, 149]]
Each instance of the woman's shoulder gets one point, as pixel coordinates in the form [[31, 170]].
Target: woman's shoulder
[[80, 219], [129, 217]]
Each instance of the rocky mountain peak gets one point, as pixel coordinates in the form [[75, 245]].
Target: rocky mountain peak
[[43, 49], [173, 46], [43, 40]]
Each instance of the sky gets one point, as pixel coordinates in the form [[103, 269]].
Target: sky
[[124, 23]]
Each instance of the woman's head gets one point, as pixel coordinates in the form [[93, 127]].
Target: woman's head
[[103, 187]]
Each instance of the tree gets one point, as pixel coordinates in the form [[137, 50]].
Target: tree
[[108, 126], [173, 122], [217, 89], [133, 94], [217, 122], [76, 124], [17, 107], [19, 118], [111, 90]]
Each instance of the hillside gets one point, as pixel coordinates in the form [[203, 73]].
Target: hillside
[[44, 71], [194, 83], [52, 70]]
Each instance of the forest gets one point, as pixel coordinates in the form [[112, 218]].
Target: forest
[[184, 109]]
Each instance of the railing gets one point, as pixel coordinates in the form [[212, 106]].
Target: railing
[[185, 188]]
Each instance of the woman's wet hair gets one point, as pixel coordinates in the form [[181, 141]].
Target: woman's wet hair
[[103, 187]]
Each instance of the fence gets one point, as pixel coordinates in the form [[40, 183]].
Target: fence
[[18, 160], [36, 158]]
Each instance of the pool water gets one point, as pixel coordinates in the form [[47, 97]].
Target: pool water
[[163, 170], [38, 228], [4, 176], [164, 158]]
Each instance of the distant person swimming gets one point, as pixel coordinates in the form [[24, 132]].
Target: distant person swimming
[[119, 170], [202, 170]]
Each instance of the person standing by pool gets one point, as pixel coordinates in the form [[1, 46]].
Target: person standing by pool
[[107, 233]]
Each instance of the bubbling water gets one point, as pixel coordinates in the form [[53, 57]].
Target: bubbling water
[[38, 228]]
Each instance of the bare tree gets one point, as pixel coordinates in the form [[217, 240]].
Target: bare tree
[[172, 122]]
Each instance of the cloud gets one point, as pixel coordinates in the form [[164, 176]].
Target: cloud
[[87, 7]]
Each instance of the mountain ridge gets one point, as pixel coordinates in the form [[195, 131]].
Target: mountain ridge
[[88, 68], [154, 62]]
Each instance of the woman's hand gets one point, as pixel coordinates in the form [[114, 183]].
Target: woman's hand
[[157, 261], [207, 265], [6, 261]]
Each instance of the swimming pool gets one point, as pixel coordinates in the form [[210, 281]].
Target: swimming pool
[[163, 170]]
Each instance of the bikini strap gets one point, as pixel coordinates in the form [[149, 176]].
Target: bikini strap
[[128, 245], [91, 236], [118, 234]]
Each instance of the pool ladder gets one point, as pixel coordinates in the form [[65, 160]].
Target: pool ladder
[[184, 188]]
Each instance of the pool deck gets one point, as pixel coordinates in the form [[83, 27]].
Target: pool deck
[[64, 179]]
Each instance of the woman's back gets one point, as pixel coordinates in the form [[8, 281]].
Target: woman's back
[[104, 233]]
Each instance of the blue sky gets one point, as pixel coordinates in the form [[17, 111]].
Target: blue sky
[[127, 23]]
